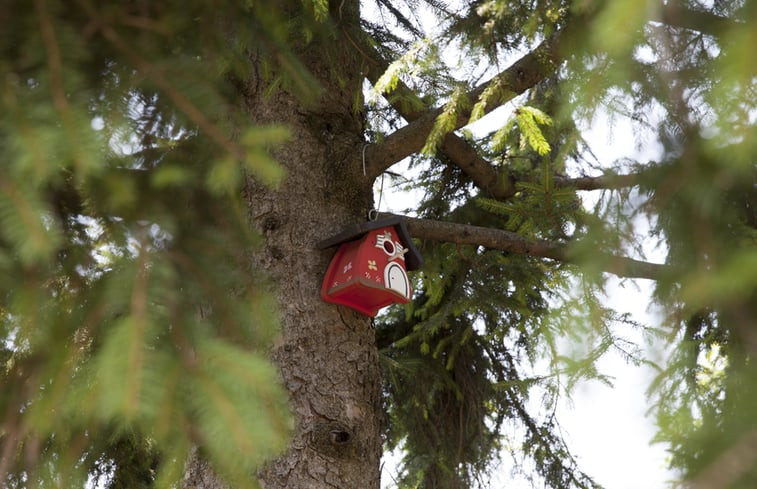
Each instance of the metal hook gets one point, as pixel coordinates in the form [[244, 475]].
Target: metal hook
[[373, 213]]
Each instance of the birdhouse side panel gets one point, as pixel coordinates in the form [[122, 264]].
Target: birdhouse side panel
[[343, 269], [371, 259]]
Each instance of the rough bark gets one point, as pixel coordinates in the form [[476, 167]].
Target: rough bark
[[199, 475], [326, 354]]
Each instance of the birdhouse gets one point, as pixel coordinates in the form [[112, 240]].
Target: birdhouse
[[369, 271]]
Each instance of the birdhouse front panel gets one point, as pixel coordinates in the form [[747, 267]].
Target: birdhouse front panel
[[369, 273]]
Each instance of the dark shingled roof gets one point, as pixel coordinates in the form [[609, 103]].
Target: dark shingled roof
[[413, 258]]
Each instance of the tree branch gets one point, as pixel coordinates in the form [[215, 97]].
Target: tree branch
[[676, 15], [519, 77], [460, 152], [516, 79], [486, 177], [514, 243], [156, 75], [602, 182]]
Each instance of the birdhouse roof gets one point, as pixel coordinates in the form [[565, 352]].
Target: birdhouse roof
[[413, 258]]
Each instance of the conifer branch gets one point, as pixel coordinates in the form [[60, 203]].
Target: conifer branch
[[459, 151], [499, 239], [57, 89], [486, 177], [676, 15], [157, 76], [601, 182], [513, 81]]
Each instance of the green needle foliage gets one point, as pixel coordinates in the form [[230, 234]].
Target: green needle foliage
[[131, 329], [134, 334]]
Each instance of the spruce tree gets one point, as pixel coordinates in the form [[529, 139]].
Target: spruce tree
[[168, 169]]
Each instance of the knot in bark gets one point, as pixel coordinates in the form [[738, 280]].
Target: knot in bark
[[333, 438]]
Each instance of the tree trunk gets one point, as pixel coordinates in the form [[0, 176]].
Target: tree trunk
[[326, 354]]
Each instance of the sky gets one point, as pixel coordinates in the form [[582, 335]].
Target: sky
[[607, 427]]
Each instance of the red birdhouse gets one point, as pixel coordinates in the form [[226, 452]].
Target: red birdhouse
[[369, 271]]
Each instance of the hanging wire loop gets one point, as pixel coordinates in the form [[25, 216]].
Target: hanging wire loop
[[364, 146]]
